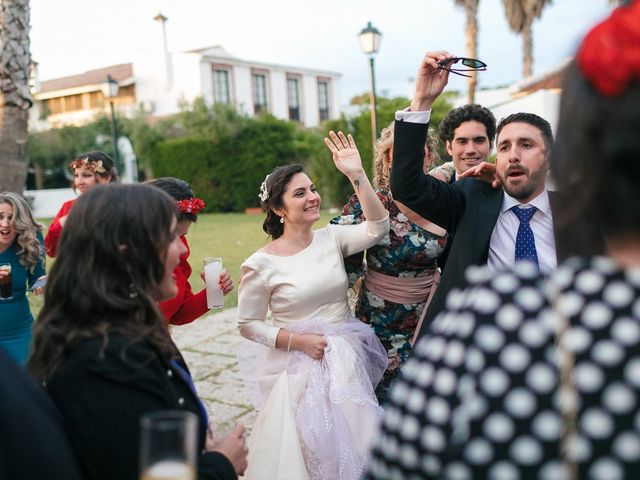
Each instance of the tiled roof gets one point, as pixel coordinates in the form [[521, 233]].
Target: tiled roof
[[547, 81], [92, 77]]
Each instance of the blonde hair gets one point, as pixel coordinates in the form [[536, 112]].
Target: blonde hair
[[30, 250], [383, 155]]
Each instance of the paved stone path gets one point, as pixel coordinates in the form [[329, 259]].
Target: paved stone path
[[209, 345]]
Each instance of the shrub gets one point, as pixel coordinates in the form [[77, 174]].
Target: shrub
[[226, 171]]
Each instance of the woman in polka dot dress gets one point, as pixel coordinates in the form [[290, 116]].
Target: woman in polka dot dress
[[523, 377]]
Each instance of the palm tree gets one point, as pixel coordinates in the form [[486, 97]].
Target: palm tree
[[521, 14], [471, 33], [15, 98]]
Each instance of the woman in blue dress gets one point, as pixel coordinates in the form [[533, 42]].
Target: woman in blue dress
[[21, 246], [401, 271]]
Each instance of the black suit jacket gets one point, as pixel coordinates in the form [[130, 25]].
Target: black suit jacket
[[33, 442], [103, 390], [467, 209]]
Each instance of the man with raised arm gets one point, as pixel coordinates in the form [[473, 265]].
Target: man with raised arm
[[489, 226]]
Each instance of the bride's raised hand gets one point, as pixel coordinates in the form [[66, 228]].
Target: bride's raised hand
[[347, 160], [345, 153]]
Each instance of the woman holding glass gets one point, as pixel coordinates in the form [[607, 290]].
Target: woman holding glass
[[101, 348], [186, 306], [22, 261]]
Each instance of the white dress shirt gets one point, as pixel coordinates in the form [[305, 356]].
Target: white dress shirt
[[413, 117], [502, 246]]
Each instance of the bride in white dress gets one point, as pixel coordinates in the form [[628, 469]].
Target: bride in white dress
[[313, 371]]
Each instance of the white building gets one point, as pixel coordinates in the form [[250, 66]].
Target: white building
[[77, 99], [308, 96], [157, 81], [539, 94]]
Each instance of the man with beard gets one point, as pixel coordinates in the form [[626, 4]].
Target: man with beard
[[489, 226]]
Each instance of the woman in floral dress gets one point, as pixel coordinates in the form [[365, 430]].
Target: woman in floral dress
[[401, 271]]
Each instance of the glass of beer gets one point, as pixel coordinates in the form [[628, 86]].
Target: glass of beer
[[212, 271], [6, 292], [168, 445]]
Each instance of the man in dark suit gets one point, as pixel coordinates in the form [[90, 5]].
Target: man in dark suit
[[484, 223]]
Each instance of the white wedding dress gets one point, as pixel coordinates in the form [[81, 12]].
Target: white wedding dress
[[316, 418]]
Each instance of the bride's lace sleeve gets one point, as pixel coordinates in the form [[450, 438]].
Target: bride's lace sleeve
[[253, 304]]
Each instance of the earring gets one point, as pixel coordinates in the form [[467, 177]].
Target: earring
[[281, 219]]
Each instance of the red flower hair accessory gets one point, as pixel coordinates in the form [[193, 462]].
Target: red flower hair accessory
[[192, 205], [609, 56], [93, 165]]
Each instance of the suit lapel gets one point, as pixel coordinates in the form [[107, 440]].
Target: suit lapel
[[489, 209]]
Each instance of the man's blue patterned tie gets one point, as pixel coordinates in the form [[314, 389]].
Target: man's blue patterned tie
[[525, 241]]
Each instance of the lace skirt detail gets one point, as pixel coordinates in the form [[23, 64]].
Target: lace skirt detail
[[332, 400]]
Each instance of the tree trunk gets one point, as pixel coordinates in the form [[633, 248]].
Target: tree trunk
[[527, 48], [13, 148], [15, 98], [471, 31]]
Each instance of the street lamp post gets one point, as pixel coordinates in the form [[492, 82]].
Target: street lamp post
[[370, 39], [110, 91]]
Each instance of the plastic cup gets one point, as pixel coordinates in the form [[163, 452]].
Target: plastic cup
[[6, 291], [212, 271]]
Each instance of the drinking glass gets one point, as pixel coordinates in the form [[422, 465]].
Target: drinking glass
[[6, 292], [168, 445]]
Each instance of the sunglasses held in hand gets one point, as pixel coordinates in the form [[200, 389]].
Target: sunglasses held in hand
[[472, 65]]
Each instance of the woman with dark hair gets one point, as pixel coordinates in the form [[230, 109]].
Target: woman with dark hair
[[186, 306], [101, 349], [401, 272], [524, 377], [21, 257], [89, 169], [315, 367]]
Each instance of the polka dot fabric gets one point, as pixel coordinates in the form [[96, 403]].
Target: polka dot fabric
[[480, 396]]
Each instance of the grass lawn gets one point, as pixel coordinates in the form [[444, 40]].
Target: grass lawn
[[232, 236]]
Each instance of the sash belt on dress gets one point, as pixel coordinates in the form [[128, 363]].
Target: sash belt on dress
[[404, 290]]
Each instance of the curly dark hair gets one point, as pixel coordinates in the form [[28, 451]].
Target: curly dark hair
[[467, 113], [276, 185], [121, 233], [532, 119], [179, 190]]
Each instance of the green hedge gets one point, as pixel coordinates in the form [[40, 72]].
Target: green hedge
[[226, 171], [223, 155]]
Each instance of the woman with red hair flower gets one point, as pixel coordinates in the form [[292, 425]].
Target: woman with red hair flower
[[523, 376], [90, 169], [186, 306]]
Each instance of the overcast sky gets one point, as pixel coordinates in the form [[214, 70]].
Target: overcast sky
[[72, 36]]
